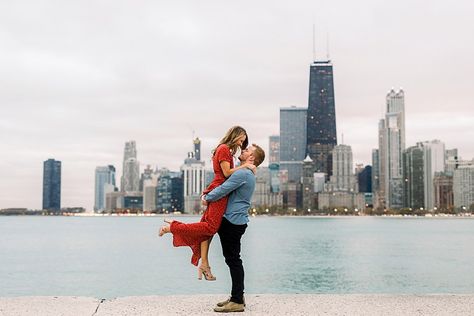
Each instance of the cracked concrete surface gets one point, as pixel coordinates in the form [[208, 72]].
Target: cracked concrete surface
[[265, 304]]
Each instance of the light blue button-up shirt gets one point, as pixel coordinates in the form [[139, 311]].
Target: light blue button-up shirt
[[240, 185]]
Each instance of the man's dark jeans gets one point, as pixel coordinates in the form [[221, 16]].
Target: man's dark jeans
[[230, 236]]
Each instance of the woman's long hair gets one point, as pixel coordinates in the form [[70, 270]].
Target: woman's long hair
[[230, 139]]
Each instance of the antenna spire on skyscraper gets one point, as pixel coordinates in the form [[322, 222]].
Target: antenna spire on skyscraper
[[327, 46], [314, 43]]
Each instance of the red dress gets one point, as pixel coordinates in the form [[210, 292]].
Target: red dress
[[193, 234]]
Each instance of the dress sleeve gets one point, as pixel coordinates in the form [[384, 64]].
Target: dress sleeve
[[223, 154]]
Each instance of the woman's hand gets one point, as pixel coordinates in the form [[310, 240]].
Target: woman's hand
[[203, 200], [250, 166]]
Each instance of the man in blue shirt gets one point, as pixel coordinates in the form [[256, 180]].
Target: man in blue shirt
[[239, 186]]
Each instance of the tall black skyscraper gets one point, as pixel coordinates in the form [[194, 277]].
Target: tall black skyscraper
[[52, 185], [321, 119]]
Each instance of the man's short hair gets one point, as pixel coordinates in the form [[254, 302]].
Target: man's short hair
[[258, 154]]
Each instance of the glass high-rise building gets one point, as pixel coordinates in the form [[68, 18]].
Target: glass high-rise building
[[104, 183], [391, 147], [321, 118], [292, 141], [52, 185], [414, 177]]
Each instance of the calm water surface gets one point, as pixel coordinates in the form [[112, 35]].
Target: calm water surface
[[122, 256]]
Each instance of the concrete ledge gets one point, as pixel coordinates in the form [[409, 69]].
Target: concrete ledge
[[48, 305], [265, 304]]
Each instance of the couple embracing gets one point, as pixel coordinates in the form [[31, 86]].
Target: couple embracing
[[227, 201]]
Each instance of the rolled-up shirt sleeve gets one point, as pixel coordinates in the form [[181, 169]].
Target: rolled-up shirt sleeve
[[236, 180]]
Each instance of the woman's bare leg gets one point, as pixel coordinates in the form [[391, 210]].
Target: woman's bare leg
[[205, 252], [204, 267]]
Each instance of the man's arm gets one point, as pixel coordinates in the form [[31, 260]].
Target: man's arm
[[236, 180]]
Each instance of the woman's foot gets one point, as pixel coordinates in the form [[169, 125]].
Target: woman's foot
[[164, 230], [206, 271]]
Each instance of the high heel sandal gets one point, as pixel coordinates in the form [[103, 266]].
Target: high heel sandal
[[206, 271]]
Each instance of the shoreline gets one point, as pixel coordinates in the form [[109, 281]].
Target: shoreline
[[440, 215], [257, 304]]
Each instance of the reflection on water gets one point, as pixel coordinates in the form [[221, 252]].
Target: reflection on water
[[110, 256]]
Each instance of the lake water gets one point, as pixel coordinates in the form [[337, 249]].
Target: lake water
[[108, 257]]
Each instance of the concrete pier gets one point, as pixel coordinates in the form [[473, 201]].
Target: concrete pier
[[265, 304]]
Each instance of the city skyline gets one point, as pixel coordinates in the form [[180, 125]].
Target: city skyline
[[77, 94]]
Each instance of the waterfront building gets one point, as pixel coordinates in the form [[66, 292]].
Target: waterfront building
[[414, 177], [274, 150], [194, 172], [340, 200], [380, 202], [452, 160], [391, 147], [113, 201], [343, 177], [52, 185], [149, 194], [292, 196], [147, 174], [169, 192], [262, 187], [104, 183], [433, 161], [127, 181], [308, 195], [321, 116], [133, 201], [292, 141], [131, 175], [319, 180], [364, 179], [463, 187], [342, 189], [375, 171], [443, 191], [177, 201], [274, 170]]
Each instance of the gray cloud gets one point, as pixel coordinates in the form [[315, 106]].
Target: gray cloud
[[78, 79]]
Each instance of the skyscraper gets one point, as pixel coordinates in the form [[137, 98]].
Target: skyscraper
[[375, 170], [292, 141], [463, 187], [443, 191], [52, 185], [130, 181], [274, 144], [131, 175], [104, 183], [321, 118], [308, 194], [434, 161], [364, 179], [343, 177], [413, 177], [391, 147], [194, 183]]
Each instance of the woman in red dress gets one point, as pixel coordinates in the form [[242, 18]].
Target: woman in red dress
[[199, 235]]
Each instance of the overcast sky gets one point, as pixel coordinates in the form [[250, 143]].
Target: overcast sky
[[79, 78]]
